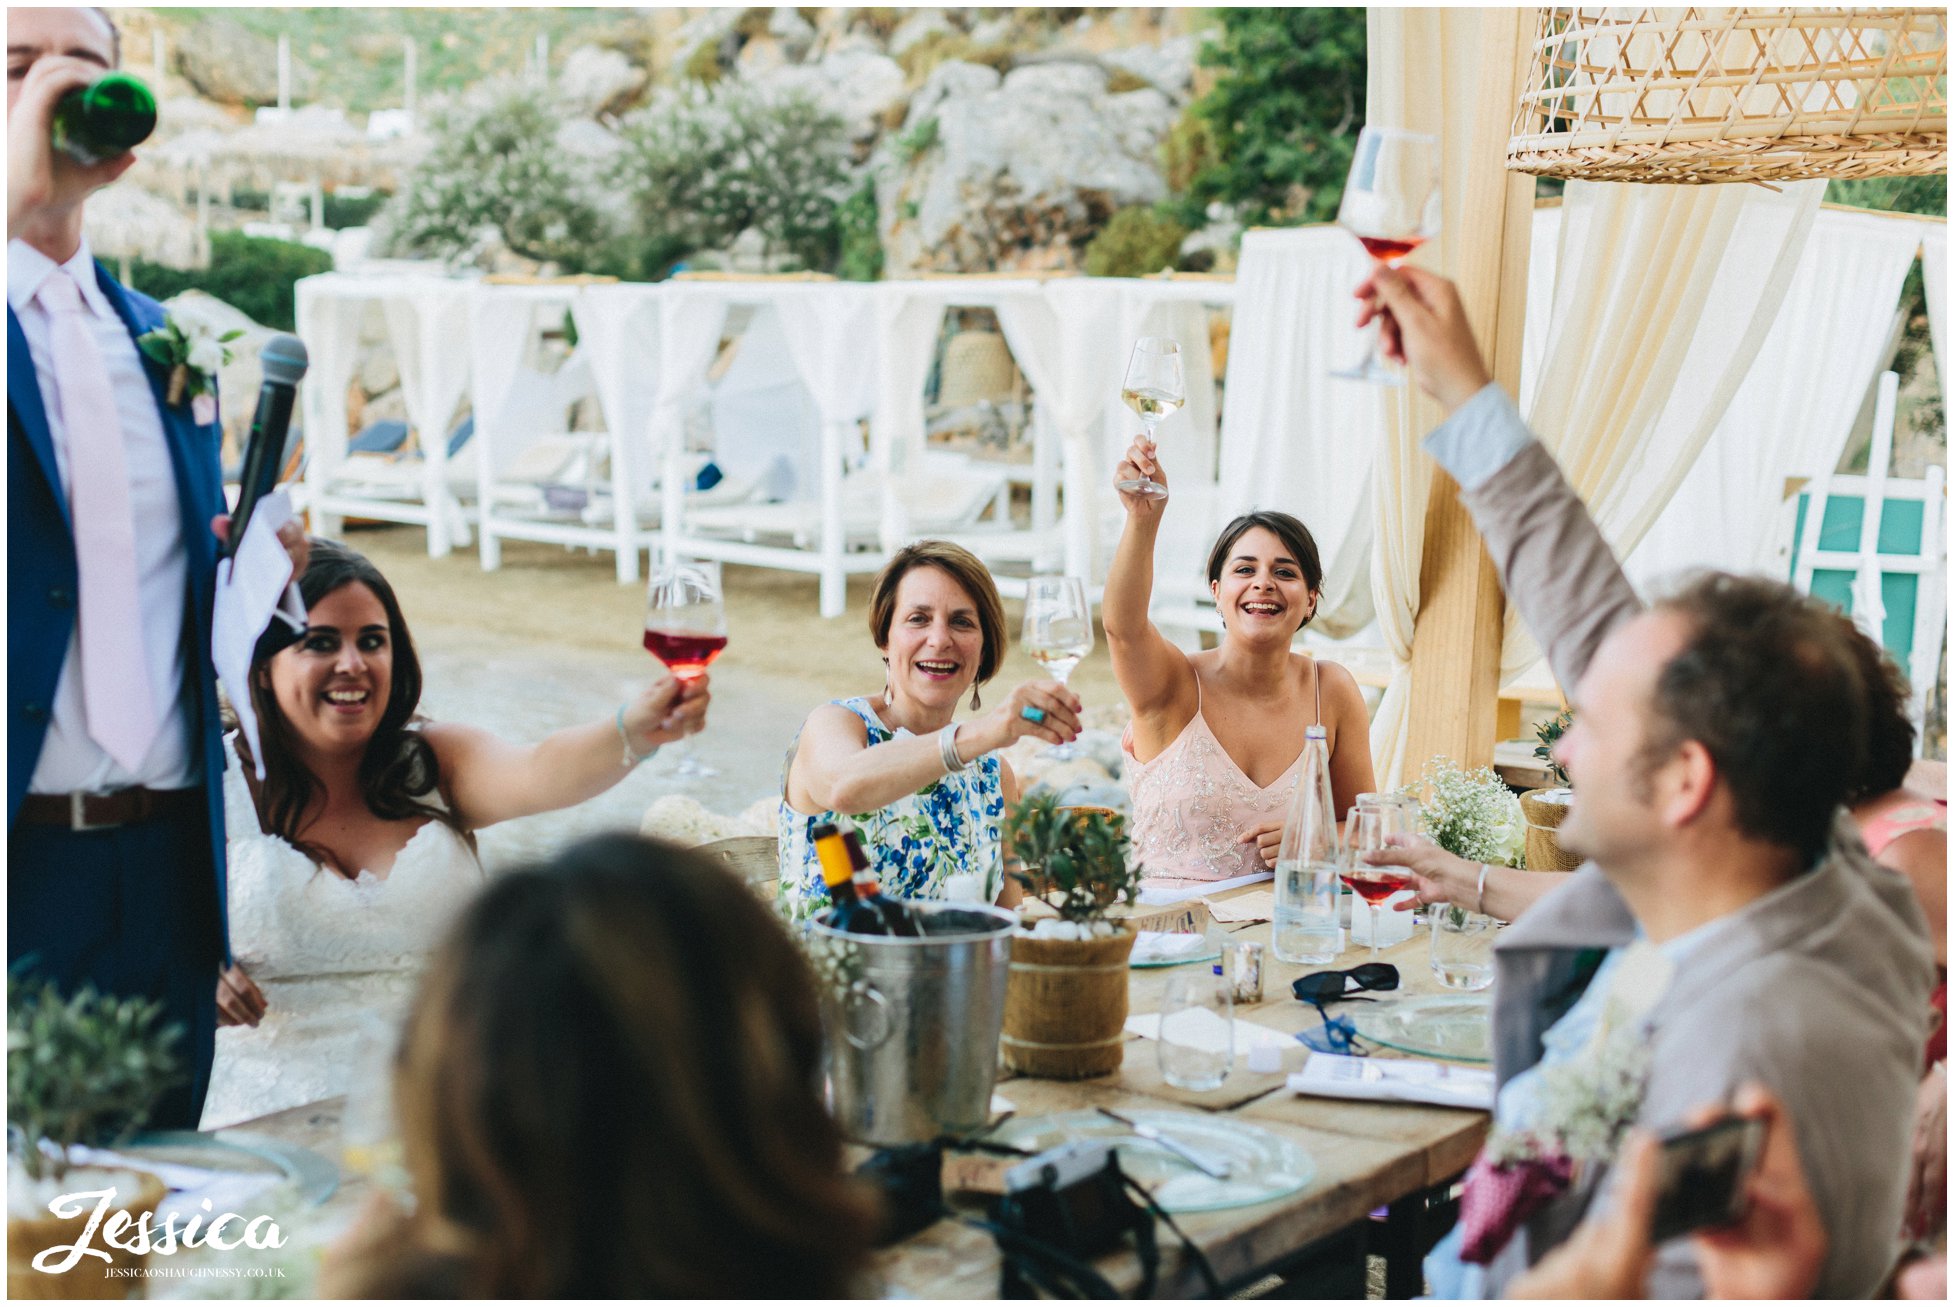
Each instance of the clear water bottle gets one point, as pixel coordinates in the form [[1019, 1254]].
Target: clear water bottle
[[1308, 864]]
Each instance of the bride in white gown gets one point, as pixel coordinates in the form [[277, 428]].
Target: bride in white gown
[[347, 863]]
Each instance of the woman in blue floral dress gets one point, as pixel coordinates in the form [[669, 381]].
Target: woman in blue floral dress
[[926, 792]]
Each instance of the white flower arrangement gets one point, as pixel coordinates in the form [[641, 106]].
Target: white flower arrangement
[[1473, 814]]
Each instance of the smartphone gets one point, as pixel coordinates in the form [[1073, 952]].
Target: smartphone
[[1704, 1176]]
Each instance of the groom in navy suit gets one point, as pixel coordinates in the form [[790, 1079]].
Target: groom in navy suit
[[115, 820]]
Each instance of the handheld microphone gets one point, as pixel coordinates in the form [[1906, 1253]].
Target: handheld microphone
[[284, 361]]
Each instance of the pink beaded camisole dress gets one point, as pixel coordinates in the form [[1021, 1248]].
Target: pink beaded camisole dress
[[1192, 802]]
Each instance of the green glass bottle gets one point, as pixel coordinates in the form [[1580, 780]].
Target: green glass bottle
[[107, 118]]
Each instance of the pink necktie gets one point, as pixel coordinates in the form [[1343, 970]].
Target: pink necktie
[[114, 672]]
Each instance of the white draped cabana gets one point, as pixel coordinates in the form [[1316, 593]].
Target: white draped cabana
[[427, 323]]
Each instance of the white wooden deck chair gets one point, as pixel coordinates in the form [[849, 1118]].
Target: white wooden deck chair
[[944, 494], [1875, 546]]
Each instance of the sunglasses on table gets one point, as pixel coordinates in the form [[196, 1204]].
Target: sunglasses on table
[[1339, 1034], [1321, 987]]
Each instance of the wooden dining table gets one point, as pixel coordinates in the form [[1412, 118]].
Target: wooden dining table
[[1394, 1158]]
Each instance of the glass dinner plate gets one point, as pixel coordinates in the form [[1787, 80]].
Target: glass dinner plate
[[1456, 1027], [312, 1176], [1262, 1164]]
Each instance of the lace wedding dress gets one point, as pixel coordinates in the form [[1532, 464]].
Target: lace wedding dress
[[337, 959]]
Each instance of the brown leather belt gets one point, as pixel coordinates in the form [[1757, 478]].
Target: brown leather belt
[[79, 811]]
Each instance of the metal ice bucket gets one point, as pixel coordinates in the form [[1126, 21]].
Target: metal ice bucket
[[912, 1023]]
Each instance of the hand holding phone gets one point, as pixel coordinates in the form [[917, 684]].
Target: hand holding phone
[[1704, 1176]]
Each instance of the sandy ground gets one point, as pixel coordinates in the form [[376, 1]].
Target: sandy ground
[[551, 639]]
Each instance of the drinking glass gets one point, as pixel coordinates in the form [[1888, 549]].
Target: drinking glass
[[1154, 389], [369, 1142], [1057, 631], [1391, 205], [1197, 1031], [1305, 929], [1462, 947], [1369, 829], [685, 628]]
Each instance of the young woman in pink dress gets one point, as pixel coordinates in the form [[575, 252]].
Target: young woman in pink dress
[[1217, 735]]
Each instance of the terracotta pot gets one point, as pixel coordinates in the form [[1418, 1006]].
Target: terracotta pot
[[1065, 1006], [89, 1277], [1545, 811]]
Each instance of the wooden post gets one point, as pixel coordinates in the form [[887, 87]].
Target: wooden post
[[1456, 646], [1489, 220]]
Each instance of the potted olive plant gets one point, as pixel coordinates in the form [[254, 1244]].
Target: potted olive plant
[[1065, 1005], [1546, 808], [82, 1069]]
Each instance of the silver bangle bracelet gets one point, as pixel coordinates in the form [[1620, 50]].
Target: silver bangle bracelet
[[1481, 899], [946, 743], [631, 756]]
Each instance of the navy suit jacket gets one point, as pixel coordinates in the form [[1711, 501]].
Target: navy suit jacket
[[41, 569]]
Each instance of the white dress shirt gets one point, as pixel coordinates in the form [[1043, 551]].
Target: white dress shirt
[[70, 759]]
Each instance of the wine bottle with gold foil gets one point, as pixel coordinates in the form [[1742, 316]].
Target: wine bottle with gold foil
[[850, 912], [898, 918]]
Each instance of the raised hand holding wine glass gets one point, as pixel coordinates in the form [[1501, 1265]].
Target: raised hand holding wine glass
[[685, 628], [1371, 829], [1391, 204], [1057, 630], [1155, 389]]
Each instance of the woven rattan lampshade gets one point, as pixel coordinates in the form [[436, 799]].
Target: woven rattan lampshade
[[1733, 95]]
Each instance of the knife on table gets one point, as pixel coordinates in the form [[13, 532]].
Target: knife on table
[[1153, 1135]]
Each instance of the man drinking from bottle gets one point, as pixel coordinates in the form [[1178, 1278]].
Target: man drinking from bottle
[[115, 819]]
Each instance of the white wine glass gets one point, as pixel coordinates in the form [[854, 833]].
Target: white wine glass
[[1057, 630], [1155, 389], [685, 628], [1391, 204]]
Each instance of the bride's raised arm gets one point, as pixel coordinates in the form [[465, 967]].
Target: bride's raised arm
[[489, 779]]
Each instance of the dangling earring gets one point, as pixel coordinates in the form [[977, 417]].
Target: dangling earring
[[976, 698], [887, 692]]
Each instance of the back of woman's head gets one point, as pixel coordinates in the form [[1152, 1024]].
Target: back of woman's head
[[609, 1086], [1889, 731]]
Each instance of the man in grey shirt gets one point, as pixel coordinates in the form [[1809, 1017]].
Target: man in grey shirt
[[1714, 737]]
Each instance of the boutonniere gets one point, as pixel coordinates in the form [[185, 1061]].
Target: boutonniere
[[192, 349]]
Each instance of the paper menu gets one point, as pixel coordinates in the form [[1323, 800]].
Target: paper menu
[[1394, 1080], [254, 588], [1208, 1030]]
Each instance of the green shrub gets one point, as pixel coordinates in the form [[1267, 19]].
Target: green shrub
[[701, 165], [861, 254], [495, 164], [1134, 242], [341, 210], [1283, 114], [252, 274]]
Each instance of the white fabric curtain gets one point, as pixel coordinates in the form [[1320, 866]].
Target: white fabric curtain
[[427, 322], [1662, 297], [1452, 73], [908, 323], [691, 321], [1795, 408], [765, 428], [617, 334], [428, 325], [1933, 267], [831, 333], [1064, 338], [1294, 438], [329, 322], [511, 400]]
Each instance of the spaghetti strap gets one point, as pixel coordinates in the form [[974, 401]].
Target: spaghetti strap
[[1316, 680]]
